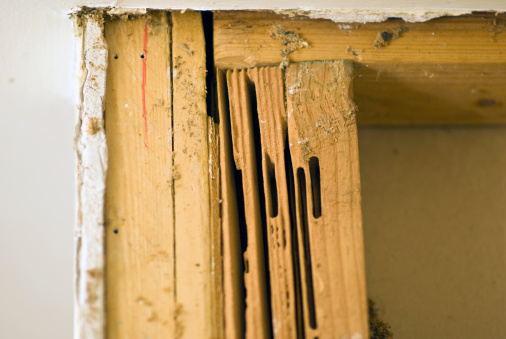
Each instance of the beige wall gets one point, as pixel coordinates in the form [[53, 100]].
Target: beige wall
[[435, 229]]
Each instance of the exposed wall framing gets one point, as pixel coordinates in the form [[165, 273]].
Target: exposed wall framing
[[158, 181], [447, 71], [246, 222]]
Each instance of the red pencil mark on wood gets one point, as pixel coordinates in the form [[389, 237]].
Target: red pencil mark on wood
[[144, 59]]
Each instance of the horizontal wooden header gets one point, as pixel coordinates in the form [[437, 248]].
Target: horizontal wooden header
[[445, 71]]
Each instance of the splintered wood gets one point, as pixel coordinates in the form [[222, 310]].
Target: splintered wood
[[233, 268], [324, 148], [298, 190], [256, 313]]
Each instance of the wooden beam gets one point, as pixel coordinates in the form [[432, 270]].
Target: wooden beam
[[444, 71], [322, 134], [257, 315], [198, 315], [139, 198], [233, 268], [268, 85]]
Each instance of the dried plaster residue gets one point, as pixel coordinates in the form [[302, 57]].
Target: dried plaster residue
[[377, 15], [291, 42]]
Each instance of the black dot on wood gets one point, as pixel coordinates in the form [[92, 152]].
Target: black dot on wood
[[142, 56], [115, 56], [116, 231], [487, 102]]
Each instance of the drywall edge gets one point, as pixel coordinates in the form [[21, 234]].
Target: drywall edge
[[355, 15], [341, 15], [91, 152]]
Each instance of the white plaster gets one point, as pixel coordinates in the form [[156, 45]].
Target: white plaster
[[394, 5], [91, 150]]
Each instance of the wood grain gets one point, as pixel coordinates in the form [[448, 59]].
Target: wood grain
[[139, 203], [217, 284], [233, 268], [196, 315], [322, 136], [272, 120], [257, 317], [445, 71]]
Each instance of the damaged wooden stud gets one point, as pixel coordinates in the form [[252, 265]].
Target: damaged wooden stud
[[304, 272], [322, 133]]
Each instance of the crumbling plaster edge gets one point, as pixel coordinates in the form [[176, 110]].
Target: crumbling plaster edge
[[336, 15], [91, 169]]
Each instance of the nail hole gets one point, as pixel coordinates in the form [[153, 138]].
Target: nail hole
[[142, 56], [116, 231], [115, 56]]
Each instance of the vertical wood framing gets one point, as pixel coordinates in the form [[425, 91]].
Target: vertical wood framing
[[257, 318], [272, 121], [190, 252], [216, 251], [92, 161], [139, 199], [194, 309], [323, 145], [233, 280]]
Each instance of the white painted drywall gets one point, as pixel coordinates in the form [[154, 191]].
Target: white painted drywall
[[36, 171], [36, 157]]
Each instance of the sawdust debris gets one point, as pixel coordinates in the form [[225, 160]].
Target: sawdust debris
[[385, 37], [185, 48], [291, 42], [355, 52]]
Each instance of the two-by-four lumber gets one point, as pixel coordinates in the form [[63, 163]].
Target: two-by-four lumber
[[163, 236], [233, 269], [257, 317], [445, 71], [139, 196], [258, 130], [272, 121], [198, 313], [323, 145]]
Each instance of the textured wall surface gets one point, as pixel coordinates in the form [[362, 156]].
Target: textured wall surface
[[435, 229]]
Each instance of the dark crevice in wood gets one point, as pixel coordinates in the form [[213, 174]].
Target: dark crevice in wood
[[314, 171], [273, 189], [261, 195], [299, 311], [303, 217]]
